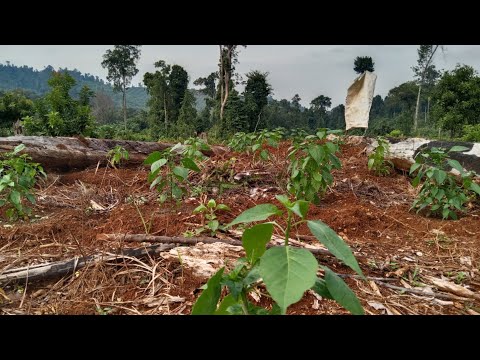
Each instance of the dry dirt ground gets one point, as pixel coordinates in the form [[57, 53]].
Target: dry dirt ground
[[398, 250]]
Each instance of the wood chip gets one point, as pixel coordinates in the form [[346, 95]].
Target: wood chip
[[375, 288], [452, 288]]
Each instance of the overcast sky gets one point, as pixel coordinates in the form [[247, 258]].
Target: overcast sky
[[309, 70]]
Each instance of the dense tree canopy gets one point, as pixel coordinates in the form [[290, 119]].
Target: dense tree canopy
[[362, 64]]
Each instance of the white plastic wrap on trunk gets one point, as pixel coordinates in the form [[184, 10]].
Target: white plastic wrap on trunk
[[359, 101]]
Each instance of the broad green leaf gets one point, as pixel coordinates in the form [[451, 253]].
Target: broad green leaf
[[206, 303], [416, 181], [287, 273], [180, 172], [190, 164], [334, 244], [157, 165], [227, 301], [252, 276], [2, 202], [213, 225], [370, 163], [317, 153], [455, 164], [414, 167], [300, 208], [223, 207], [321, 289], [15, 197], [257, 213], [30, 198], [440, 176], [342, 293], [18, 148], [156, 155], [199, 209], [284, 200], [458, 148], [211, 203], [264, 155], [255, 240], [158, 181], [475, 187]]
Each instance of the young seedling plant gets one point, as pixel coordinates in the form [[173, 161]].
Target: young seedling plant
[[440, 193], [116, 155], [286, 271], [171, 184], [18, 175], [312, 162], [209, 214], [376, 160]]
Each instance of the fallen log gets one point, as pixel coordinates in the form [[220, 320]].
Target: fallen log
[[66, 153], [403, 152], [66, 267]]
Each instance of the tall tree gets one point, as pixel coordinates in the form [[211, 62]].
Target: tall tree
[[318, 107], [363, 63], [227, 62], [208, 83], [256, 95], [103, 108], [187, 119], [121, 63], [177, 85], [296, 102], [157, 88], [14, 105], [425, 73], [457, 99]]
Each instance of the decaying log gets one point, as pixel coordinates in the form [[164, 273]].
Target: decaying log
[[403, 152], [66, 267], [66, 153]]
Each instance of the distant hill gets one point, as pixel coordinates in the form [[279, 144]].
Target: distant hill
[[36, 82]]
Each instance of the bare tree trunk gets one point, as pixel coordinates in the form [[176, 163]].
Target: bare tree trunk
[[258, 121], [124, 104], [221, 77], [165, 109], [415, 119], [226, 77]]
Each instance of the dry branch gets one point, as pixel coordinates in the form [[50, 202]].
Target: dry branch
[[65, 267]]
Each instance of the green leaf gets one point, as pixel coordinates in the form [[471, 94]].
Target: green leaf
[[227, 301], [206, 303], [190, 164], [255, 240], [287, 273], [321, 289], [317, 153], [300, 208], [2, 202], [18, 148], [213, 225], [180, 172], [211, 204], [264, 155], [416, 181], [252, 276], [334, 244], [199, 209], [284, 200], [30, 198], [455, 164], [458, 148], [257, 213], [156, 155], [15, 197], [223, 207], [342, 293], [475, 187], [440, 176], [414, 167], [371, 162], [157, 165]]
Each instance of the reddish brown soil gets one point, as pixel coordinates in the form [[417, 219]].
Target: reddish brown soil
[[371, 213]]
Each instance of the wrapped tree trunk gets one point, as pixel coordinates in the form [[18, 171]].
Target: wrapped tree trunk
[[66, 153]]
